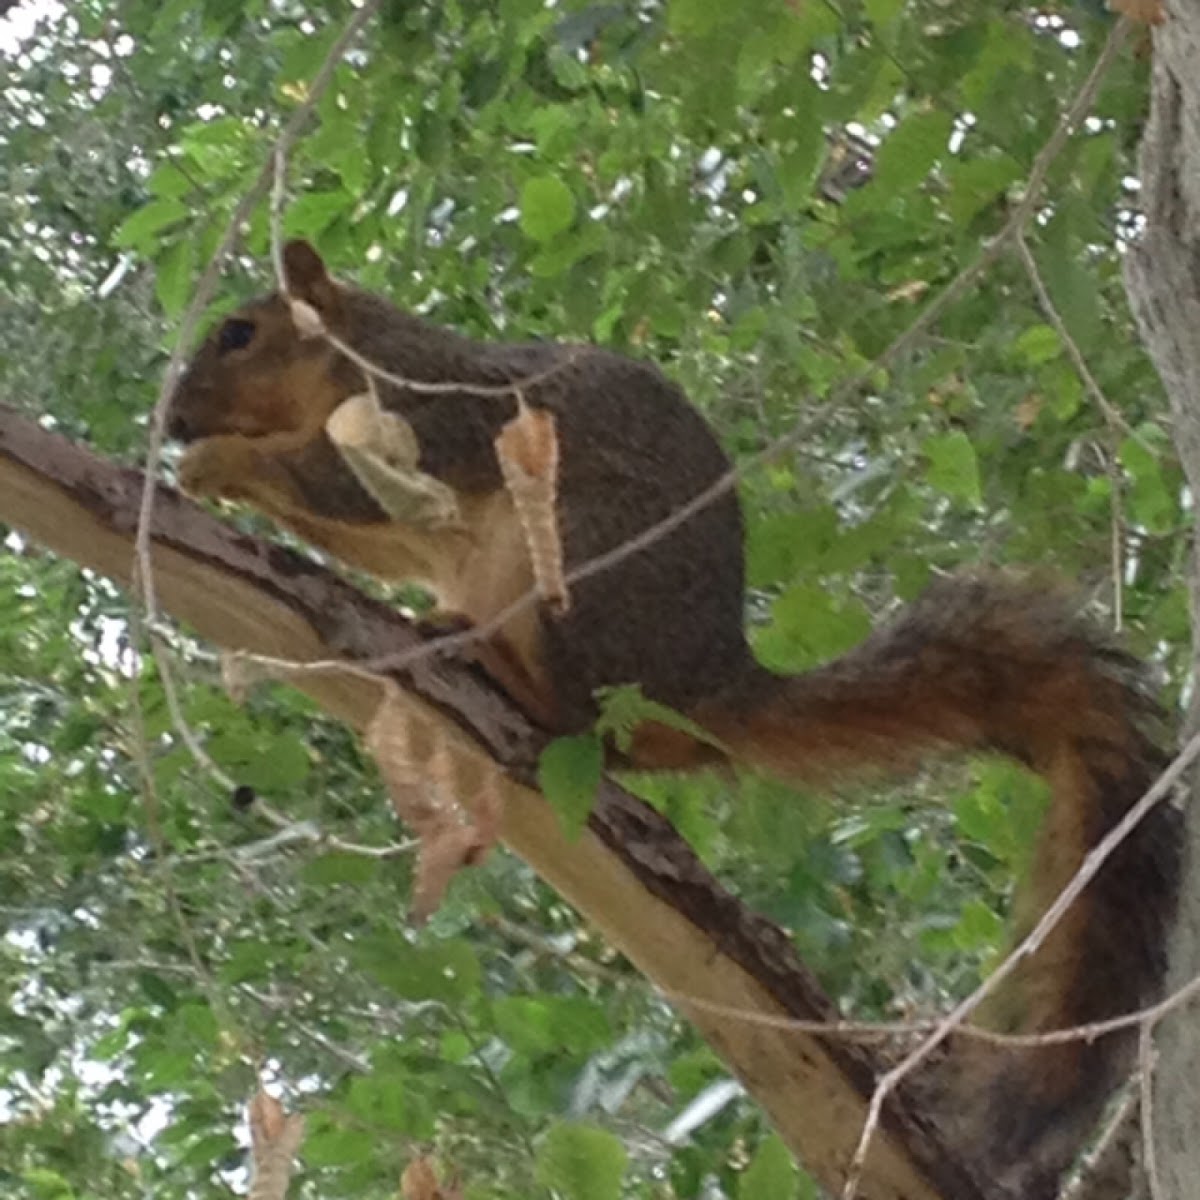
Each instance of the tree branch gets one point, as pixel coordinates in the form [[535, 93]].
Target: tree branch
[[630, 872], [1162, 277]]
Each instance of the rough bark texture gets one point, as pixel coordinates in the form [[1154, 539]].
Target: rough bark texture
[[629, 872], [1163, 280]]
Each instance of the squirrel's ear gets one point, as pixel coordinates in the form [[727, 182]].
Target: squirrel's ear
[[307, 278]]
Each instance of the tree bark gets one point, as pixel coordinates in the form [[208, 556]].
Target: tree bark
[[629, 872], [1162, 274]]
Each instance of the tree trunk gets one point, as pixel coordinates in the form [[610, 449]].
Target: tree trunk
[[1163, 280]]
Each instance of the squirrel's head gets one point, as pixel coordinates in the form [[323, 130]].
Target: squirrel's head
[[267, 368]]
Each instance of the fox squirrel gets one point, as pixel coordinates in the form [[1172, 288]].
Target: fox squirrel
[[978, 663]]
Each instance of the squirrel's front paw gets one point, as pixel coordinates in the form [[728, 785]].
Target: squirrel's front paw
[[215, 467]]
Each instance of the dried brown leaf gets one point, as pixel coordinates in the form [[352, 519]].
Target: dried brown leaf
[[527, 449], [1144, 12], [420, 1182], [1026, 413], [267, 1118], [382, 450], [275, 1138], [426, 782]]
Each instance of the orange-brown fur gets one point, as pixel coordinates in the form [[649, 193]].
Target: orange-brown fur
[[989, 663], [273, 412], [980, 663]]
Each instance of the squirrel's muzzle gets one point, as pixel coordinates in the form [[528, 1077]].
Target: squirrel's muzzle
[[192, 414]]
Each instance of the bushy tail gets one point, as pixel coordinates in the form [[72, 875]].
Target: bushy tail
[[992, 664]]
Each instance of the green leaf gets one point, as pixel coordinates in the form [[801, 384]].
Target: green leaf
[[1000, 811], [1006, 55], [337, 867], [581, 1162], [333, 1147], [448, 971], [248, 959], [771, 1175], [197, 1022], [1151, 502], [569, 774], [315, 212], [909, 152], [696, 18], [167, 181], [979, 927], [164, 1069], [1075, 292], [304, 53], [799, 166], [277, 765], [219, 150], [391, 1099], [811, 23], [137, 231], [953, 468], [564, 252], [173, 276], [158, 990], [552, 1024], [547, 207], [812, 624], [623, 709], [1037, 345], [881, 13], [1062, 388], [782, 544], [693, 1070], [204, 1151], [46, 1184], [974, 184]]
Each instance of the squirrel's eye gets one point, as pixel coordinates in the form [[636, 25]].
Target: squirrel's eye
[[235, 335]]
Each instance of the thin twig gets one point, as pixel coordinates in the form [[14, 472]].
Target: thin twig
[[1109, 411], [1116, 541], [159, 840], [1113, 417], [876, 1030], [1109, 1163], [1147, 1057], [309, 831], [147, 613], [207, 285], [280, 1008], [180, 722]]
